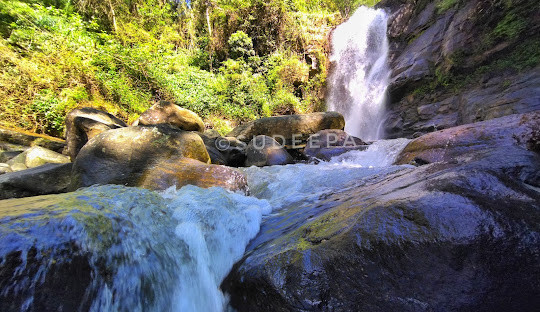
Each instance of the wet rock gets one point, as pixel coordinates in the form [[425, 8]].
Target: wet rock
[[448, 144], [265, 151], [45, 179], [172, 114], [25, 138], [120, 156], [85, 123], [61, 252], [226, 151], [459, 236], [185, 171], [326, 144], [37, 156], [289, 128]]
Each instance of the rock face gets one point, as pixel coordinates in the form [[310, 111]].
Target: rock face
[[298, 127], [265, 151], [326, 144], [84, 124], [120, 156], [447, 145], [460, 235], [185, 171], [172, 114], [37, 156], [469, 62], [42, 180]]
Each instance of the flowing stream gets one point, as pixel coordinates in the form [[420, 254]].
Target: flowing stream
[[168, 251], [360, 72]]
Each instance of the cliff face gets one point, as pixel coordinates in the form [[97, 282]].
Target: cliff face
[[456, 62]]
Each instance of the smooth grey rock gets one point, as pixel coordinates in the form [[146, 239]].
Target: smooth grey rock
[[46, 179]]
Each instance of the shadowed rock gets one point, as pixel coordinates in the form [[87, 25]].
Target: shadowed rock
[[25, 138], [85, 123], [326, 144], [265, 151], [446, 145]]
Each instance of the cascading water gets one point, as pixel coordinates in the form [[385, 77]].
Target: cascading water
[[360, 73], [166, 251]]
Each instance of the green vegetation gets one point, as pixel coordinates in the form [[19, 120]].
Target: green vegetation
[[505, 44], [227, 60], [445, 5], [525, 55]]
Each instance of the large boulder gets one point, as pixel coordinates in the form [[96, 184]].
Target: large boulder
[[120, 156], [454, 236], [446, 145], [185, 171], [37, 156], [42, 180], [326, 144], [85, 123], [294, 129], [265, 151], [172, 114], [71, 252]]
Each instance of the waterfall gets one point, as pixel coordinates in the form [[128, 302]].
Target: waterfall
[[360, 72]]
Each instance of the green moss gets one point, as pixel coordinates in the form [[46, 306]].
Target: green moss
[[445, 5], [510, 27], [523, 56]]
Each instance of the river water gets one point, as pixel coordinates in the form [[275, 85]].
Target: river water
[[168, 251]]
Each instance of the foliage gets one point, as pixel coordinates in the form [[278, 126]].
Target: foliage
[[509, 27], [240, 46], [228, 60]]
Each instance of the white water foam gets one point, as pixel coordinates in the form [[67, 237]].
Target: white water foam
[[360, 73], [217, 225], [283, 185], [170, 251]]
